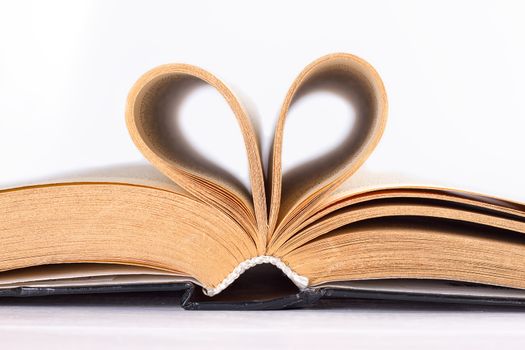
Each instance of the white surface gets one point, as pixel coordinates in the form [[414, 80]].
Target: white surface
[[165, 326], [453, 71]]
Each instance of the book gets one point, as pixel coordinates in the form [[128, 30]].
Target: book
[[292, 240]]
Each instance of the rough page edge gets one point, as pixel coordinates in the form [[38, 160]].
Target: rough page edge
[[300, 281]]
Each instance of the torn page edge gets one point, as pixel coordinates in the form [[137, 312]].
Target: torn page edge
[[300, 281]]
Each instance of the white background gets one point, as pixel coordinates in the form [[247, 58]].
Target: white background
[[454, 75]]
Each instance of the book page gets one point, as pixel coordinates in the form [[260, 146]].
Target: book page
[[365, 180], [85, 274]]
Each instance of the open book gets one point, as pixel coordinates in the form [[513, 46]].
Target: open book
[[326, 234]]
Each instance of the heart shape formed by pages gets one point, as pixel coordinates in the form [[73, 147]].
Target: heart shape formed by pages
[[298, 197]]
